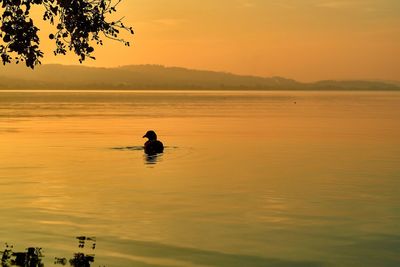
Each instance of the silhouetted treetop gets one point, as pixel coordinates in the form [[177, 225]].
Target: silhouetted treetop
[[79, 24]]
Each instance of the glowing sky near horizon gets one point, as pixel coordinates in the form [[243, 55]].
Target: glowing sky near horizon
[[301, 39]]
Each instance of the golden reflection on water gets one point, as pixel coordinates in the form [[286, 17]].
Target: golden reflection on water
[[242, 174]]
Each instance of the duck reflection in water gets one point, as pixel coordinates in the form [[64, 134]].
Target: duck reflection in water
[[152, 147], [152, 159]]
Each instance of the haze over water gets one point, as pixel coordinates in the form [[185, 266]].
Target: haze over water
[[247, 178]]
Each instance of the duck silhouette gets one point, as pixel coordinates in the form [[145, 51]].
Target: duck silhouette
[[152, 146]]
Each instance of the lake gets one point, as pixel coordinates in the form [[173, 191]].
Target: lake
[[247, 178]]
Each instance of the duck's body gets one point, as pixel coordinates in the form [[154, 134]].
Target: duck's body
[[152, 146]]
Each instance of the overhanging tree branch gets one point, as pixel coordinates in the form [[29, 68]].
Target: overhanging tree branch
[[79, 24]]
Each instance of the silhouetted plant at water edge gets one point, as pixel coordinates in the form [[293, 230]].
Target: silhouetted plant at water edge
[[79, 25], [32, 256]]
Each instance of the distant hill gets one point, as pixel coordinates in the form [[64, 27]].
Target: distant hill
[[162, 78]]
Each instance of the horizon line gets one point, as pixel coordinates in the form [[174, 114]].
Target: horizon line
[[209, 70]]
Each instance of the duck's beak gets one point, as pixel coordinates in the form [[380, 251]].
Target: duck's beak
[[144, 136]]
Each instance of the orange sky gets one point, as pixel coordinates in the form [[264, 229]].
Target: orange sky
[[301, 39]]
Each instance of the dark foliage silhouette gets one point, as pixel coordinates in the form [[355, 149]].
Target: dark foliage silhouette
[[80, 24], [32, 257]]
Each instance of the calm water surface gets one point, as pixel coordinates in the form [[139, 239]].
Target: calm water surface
[[247, 178]]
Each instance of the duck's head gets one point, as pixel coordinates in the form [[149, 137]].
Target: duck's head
[[151, 135]]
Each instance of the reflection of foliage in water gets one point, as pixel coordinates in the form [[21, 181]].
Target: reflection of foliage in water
[[32, 257]]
